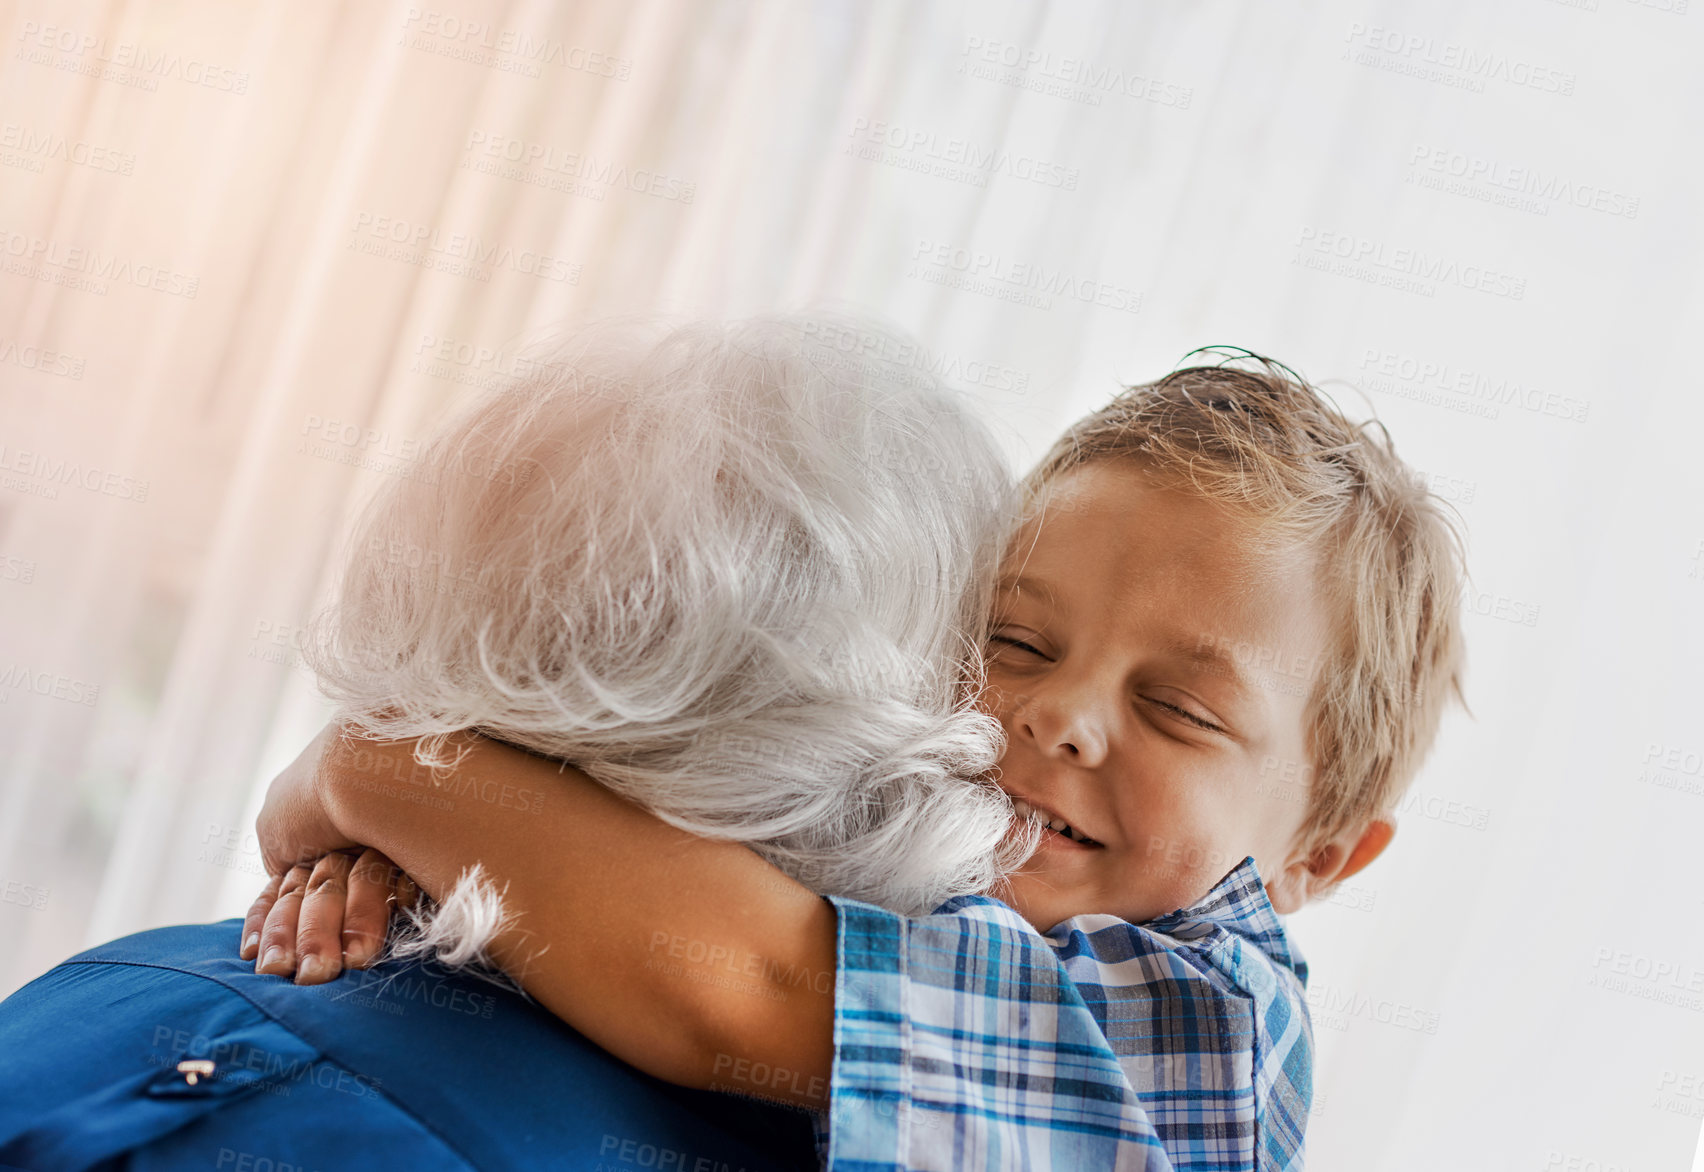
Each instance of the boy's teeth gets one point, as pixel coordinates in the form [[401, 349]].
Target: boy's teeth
[[1024, 810]]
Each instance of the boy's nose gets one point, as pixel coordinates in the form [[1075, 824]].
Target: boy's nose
[[1064, 731]]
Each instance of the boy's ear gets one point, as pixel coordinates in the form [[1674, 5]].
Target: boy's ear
[[1308, 875]]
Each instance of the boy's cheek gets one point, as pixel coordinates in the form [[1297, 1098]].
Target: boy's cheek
[[1178, 870], [1015, 759], [1004, 699]]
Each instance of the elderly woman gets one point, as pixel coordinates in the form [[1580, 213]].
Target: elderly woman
[[737, 574]]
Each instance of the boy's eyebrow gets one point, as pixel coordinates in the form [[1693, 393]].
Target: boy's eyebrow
[[1212, 657]]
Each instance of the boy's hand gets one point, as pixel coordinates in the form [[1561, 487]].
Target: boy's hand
[[295, 825], [319, 896], [319, 918]]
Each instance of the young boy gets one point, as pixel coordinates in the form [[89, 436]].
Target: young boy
[[1223, 641]]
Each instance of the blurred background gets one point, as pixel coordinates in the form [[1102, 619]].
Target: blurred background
[[249, 253]]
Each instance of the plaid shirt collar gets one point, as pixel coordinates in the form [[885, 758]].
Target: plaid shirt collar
[[1238, 903]]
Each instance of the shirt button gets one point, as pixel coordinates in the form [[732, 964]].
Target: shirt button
[[195, 1069]]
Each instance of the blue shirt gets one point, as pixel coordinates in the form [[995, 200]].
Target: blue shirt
[[966, 1039], [164, 1051]]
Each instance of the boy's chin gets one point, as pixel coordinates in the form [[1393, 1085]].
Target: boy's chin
[[1051, 889], [1046, 895]]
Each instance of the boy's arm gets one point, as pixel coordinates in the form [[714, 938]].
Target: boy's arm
[[690, 959]]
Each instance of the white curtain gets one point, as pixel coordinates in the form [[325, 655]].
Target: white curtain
[[252, 251]]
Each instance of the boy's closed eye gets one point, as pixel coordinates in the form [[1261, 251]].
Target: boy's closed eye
[[1181, 713], [1009, 642], [1016, 643]]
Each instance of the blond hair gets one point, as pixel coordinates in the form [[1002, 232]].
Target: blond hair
[[1251, 434]]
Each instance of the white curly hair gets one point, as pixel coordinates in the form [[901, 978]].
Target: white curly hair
[[738, 573]]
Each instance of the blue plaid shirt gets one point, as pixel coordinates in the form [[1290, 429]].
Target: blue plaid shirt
[[966, 1039]]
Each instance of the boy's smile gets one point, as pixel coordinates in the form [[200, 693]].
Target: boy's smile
[[1151, 660]]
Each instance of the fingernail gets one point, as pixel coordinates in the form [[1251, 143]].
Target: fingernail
[[358, 953], [312, 971], [274, 957], [252, 943]]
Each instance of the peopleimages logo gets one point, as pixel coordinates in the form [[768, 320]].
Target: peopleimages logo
[[41, 359], [1490, 179], [401, 455], [1021, 282], [575, 172], [33, 472], [1062, 75], [924, 150], [76, 266], [1334, 1008], [18, 677], [140, 63], [1412, 270], [835, 340], [20, 894], [1461, 387], [17, 569], [455, 253], [510, 50], [1449, 63], [44, 145], [1674, 767]]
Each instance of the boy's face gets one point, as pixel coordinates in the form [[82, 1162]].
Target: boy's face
[[1151, 662]]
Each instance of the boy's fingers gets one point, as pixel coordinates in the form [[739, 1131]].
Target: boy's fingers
[[256, 919], [278, 935], [367, 913], [319, 930]]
